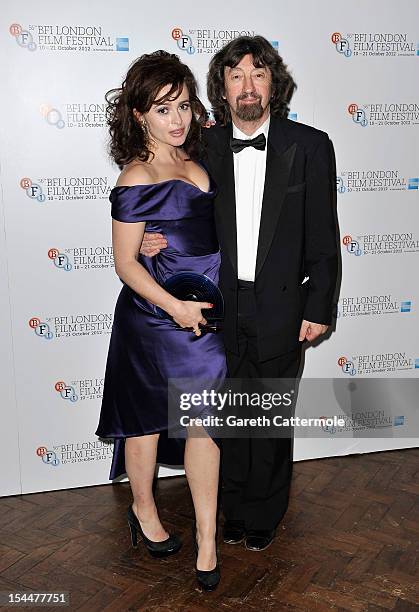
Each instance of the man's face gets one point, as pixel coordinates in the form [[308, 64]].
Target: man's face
[[247, 90]]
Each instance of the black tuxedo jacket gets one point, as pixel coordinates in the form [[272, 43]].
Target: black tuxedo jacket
[[297, 236]]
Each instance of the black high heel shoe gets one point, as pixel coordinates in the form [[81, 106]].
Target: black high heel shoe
[[156, 549], [207, 579]]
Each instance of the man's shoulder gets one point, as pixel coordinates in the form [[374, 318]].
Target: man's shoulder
[[302, 133], [216, 134]]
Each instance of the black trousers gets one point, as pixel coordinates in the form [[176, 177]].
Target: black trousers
[[256, 472]]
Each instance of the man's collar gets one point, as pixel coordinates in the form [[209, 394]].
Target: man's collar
[[263, 129]]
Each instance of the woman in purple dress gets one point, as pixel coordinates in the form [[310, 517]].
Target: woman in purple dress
[[155, 120]]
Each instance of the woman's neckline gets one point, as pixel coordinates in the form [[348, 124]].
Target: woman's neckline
[[167, 181]]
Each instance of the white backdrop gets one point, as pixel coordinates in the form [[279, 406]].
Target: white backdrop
[[355, 65]]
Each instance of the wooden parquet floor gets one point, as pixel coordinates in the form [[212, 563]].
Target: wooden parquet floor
[[348, 542]]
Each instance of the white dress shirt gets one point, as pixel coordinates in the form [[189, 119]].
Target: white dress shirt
[[249, 179]]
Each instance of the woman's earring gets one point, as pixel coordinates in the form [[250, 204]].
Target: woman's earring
[[144, 127]]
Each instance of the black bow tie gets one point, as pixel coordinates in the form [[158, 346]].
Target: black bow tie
[[237, 145]]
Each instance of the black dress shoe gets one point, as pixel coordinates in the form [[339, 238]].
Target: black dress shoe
[[234, 532], [167, 547], [259, 539], [208, 580]]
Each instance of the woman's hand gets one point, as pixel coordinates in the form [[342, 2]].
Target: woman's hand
[[188, 314]]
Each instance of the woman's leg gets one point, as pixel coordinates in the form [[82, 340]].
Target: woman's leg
[[202, 463], [140, 463]]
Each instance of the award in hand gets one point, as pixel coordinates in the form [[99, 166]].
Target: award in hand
[[193, 287]]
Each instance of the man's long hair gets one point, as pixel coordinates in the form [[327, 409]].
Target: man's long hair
[[264, 56]]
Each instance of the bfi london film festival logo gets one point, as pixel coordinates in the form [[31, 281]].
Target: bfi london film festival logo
[[76, 452], [385, 114], [375, 44], [70, 326], [381, 244], [33, 190], [48, 457], [372, 305], [75, 115], [361, 420], [204, 40], [63, 38], [66, 188], [82, 258], [80, 390], [377, 363], [375, 180]]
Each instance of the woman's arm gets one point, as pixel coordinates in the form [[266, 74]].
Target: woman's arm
[[126, 240]]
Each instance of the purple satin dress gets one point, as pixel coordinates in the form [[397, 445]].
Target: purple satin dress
[[145, 350]]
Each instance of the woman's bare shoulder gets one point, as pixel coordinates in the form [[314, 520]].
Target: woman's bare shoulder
[[135, 173]]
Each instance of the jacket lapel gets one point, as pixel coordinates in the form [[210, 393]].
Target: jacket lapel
[[279, 159], [222, 167]]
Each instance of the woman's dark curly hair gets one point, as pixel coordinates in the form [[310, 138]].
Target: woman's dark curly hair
[[144, 80], [264, 55]]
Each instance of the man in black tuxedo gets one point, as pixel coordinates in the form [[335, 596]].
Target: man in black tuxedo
[[277, 231]]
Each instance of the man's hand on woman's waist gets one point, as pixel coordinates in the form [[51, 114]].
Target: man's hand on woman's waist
[[152, 244]]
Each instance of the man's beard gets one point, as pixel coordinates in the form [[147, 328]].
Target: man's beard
[[249, 112]]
